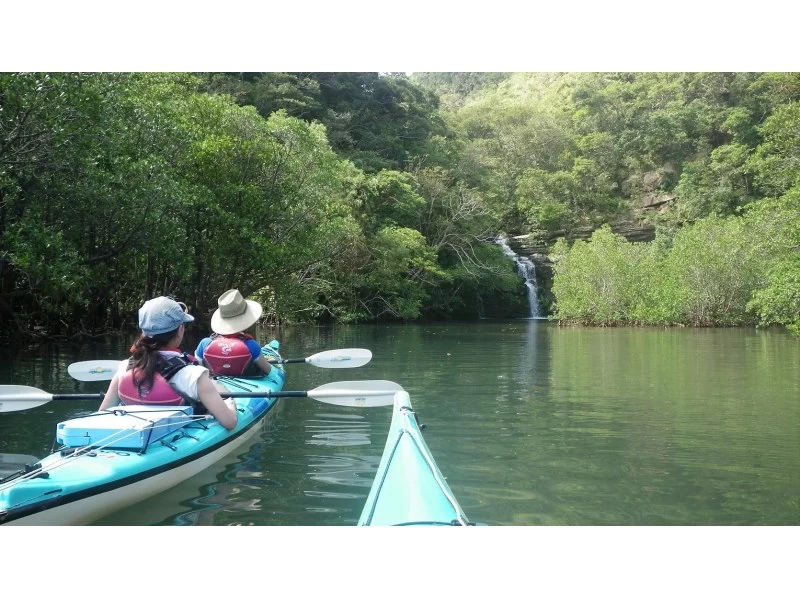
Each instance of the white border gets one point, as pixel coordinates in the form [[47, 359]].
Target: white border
[[361, 35]]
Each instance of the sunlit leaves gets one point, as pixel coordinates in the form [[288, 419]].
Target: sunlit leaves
[[602, 281], [778, 301], [719, 185], [389, 197], [776, 161], [704, 278], [711, 272], [402, 262]]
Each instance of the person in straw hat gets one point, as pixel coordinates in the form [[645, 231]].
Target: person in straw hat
[[230, 351]]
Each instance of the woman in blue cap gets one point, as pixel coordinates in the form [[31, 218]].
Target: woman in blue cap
[[158, 373]]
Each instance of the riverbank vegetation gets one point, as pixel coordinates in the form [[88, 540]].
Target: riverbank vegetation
[[360, 197]]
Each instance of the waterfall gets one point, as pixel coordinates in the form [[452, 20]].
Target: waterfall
[[526, 270]]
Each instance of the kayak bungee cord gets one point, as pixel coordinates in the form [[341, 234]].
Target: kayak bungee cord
[[235, 382], [84, 451]]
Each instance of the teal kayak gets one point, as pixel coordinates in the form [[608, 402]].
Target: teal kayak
[[108, 460], [408, 488]]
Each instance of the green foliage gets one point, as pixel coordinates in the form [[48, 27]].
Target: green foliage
[[778, 223], [389, 197], [741, 126], [776, 161], [705, 278], [267, 185], [296, 94], [779, 302], [185, 193], [711, 272], [392, 281], [541, 199], [378, 121], [455, 89], [601, 282], [495, 290], [361, 196], [718, 185], [79, 196]]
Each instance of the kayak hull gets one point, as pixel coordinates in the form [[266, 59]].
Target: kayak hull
[[77, 486], [409, 488]]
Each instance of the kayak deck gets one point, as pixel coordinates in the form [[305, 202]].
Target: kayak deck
[[409, 488], [76, 485]]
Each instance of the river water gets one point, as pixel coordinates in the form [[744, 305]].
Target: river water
[[532, 424]]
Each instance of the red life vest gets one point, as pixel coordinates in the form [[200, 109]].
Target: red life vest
[[229, 355], [161, 392]]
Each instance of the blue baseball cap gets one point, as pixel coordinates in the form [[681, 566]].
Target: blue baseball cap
[[161, 315]]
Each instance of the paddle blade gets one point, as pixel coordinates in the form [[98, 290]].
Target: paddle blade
[[16, 398], [340, 358], [359, 393], [91, 371]]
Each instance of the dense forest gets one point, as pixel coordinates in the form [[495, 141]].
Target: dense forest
[[357, 197]]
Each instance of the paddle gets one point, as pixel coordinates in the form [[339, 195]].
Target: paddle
[[89, 371], [361, 393], [336, 358], [104, 369]]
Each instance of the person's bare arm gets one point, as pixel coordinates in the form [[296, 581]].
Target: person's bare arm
[[111, 399], [264, 364], [224, 410]]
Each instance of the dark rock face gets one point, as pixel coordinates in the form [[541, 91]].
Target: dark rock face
[[537, 250]]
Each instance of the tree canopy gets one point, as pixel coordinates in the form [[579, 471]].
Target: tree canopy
[[372, 196]]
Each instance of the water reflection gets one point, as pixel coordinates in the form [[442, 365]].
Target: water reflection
[[531, 423], [343, 470], [337, 430], [340, 480]]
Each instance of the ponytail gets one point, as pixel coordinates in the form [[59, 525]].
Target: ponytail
[[145, 357]]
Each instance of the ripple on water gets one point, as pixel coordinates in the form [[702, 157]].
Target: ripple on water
[[343, 470], [337, 430]]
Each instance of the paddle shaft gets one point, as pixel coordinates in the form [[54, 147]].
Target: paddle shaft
[[68, 397], [229, 395], [359, 393]]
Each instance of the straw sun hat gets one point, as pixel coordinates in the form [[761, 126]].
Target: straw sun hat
[[235, 313]]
